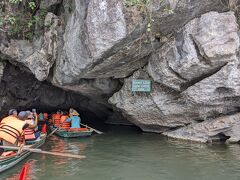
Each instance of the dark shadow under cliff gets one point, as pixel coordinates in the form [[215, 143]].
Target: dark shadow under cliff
[[21, 90]]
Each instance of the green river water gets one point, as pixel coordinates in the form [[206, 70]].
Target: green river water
[[124, 153]]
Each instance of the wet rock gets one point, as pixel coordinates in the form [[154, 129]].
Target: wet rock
[[203, 47], [211, 130]]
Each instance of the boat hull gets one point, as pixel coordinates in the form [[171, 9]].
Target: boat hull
[[71, 134], [7, 163]]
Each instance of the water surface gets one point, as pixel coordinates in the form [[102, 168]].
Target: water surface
[[124, 153]]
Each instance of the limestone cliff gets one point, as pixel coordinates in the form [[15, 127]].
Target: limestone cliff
[[95, 48]]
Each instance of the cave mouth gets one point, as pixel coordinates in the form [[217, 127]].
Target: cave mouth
[[22, 91]]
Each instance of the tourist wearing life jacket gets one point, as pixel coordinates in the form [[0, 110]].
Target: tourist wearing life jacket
[[57, 118], [13, 112], [31, 119], [74, 118], [12, 130], [63, 123]]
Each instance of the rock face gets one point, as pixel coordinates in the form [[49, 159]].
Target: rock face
[[211, 130], [37, 57], [195, 77], [114, 45], [203, 47], [156, 111], [93, 49]]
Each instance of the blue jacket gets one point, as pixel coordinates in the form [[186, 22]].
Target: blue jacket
[[75, 121]]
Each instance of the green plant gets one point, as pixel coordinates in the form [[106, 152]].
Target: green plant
[[21, 24]]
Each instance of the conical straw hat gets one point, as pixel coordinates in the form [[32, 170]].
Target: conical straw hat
[[73, 112]]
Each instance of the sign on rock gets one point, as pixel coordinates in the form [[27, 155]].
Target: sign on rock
[[140, 85]]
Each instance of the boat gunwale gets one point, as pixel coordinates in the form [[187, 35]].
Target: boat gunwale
[[72, 134], [19, 157]]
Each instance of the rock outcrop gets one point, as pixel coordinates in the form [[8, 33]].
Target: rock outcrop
[[195, 76], [226, 127], [38, 56], [93, 50]]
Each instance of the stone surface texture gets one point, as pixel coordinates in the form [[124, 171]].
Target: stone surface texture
[[91, 50]]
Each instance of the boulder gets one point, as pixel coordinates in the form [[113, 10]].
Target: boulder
[[156, 111], [203, 47], [222, 128], [107, 39], [186, 88]]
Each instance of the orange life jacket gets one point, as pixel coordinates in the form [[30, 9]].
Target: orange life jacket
[[63, 118], [65, 125], [29, 133], [11, 129], [57, 119]]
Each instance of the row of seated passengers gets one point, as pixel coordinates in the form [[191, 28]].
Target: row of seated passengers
[[16, 128], [65, 120]]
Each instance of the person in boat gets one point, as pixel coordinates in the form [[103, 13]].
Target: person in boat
[[41, 117], [12, 130], [13, 112], [57, 118], [31, 118], [74, 118]]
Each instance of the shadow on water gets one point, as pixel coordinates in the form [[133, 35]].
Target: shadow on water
[[124, 153]]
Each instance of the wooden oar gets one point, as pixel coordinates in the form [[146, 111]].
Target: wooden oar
[[45, 152], [53, 131], [97, 131]]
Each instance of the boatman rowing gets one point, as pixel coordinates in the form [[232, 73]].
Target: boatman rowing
[[74, 118]]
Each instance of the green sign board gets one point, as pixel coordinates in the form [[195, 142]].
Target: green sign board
[[140, 85]]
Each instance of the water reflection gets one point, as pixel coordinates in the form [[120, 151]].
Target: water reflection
[[30, 173], [125, 154]]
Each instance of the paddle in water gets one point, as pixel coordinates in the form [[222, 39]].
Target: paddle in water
[[97, 131], [45, 152]]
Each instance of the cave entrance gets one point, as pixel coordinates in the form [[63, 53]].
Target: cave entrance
[[22, 91]]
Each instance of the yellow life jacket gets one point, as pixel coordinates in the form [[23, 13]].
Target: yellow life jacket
[[11, 129]]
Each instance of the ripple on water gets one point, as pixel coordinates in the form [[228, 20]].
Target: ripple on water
[[124, 154]]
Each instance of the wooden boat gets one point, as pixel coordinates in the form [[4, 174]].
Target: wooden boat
[[67, 134], [7, 162]]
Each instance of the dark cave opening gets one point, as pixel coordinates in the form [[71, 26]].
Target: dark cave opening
[[22, 91]]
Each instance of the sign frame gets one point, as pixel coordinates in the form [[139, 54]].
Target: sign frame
[[141, 85]]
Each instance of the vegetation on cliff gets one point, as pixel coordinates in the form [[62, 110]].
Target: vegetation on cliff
[[19, 18]]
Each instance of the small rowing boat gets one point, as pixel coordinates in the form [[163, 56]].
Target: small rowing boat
[[82, 132], [11, 158]]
